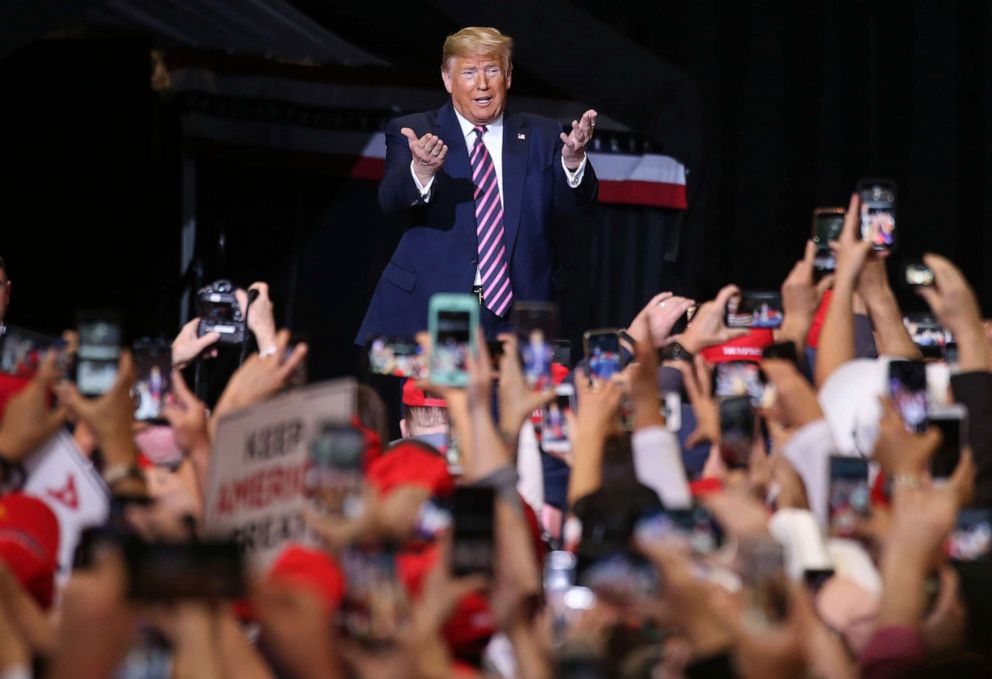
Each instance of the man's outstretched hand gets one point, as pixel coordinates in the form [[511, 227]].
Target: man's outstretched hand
[[576, 141], [428, 152]]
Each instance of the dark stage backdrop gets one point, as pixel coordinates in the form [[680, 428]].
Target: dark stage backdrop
[[795, 102]]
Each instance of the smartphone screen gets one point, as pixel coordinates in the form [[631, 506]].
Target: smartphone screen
[[603, 354], [737, 431], [918, 275], [928, 334], [554, 423], [396, 356], [953, 426], [849, 494], [754, 310], [971, 538], [908, 390], [765, 586], [98, 353], [21, 351], [563, 353], [153, 378], [450, 346], [535, 324], [827, 225], [472, 548], [878, 213], [335, 472], [739, 378], [694, 530], [166, 571], [374, 609]]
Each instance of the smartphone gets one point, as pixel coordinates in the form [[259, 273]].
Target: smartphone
[[166, 571], [878, 212], [554, 423], [374, 609], [603, 353], [334, 480], [918, 275], [621, 577], [828, 222], [740, 378], [453, 322], [536, 325], [971, 539], [952, 421], [99, 352], [472, 547], [737, 431], [21, 351], [396, 356], [908, 390], [563, 353], [693, 529], [928, 334], [153, 378], [219, 311], [765, 587], [849, 495], [783, 350], [671, 410], [754, 309]]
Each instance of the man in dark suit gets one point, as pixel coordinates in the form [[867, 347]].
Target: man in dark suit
[[476, 187]]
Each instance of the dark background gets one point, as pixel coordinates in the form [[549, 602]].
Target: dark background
[[775, 107]]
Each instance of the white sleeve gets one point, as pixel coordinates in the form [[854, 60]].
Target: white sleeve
[[809, 451], [574, 177], [425, 191], [658, 464], [530, 473]]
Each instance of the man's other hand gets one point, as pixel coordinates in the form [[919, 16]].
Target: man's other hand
[[576, 141], [428, 152]]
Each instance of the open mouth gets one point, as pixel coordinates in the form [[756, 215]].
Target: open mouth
[[484, 101]]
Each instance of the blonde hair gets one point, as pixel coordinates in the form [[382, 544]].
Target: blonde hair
[[478, 41]]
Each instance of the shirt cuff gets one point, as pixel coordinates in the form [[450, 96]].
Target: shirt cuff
[[574, 177], [425, 191], [658, 465]]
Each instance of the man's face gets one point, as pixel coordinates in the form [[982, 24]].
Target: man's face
[[4, 293], [478, 87]]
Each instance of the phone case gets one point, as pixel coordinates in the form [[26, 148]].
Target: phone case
[[444, 365]]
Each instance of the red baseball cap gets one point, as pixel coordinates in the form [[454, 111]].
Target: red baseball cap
[[409, 463], [745, 348], [29, 544], [418, 398], [310, 569]]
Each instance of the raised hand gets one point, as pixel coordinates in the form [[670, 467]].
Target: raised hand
[[658, 317], [29, 421], [187, 346], [801, 296], [850, 251], [707, 327], [259, 315], [428, 152], [575, 142]]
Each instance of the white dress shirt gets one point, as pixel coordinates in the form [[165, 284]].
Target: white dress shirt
[[493, 139]]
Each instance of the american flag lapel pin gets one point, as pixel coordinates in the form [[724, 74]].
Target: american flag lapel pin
[[521, 135]]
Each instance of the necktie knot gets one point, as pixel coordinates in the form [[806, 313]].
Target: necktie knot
[[479, 131]]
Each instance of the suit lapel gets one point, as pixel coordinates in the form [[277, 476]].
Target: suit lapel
[[516, 145]]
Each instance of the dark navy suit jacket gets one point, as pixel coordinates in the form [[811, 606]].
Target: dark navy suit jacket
[[438, 250]]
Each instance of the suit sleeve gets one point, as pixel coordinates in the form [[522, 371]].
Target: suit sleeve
[[397, 191], [582, 197]]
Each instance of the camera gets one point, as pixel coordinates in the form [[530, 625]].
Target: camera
[[220, 312]]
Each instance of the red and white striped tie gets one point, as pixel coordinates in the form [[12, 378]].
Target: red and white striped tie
[[497, 293]]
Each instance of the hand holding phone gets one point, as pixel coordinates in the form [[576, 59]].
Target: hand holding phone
[[453, 323], [603, 353], [473, 543], [737, 431], [335, 475], [849, 499], [536, 325], [908, 391], [396, 356], [878, 212], [754, 309], [99, 352], [827, 225], [153, 378], [554, 422]]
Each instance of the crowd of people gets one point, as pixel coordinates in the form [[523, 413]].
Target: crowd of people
[[637, 549]]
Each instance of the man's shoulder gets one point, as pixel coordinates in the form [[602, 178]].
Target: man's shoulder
[[415, 121]]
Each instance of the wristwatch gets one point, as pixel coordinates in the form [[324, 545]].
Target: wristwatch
[[673, 351]]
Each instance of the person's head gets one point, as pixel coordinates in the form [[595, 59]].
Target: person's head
[[423, 412], [4, 289], [476, 69]]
